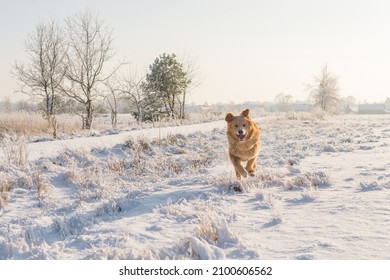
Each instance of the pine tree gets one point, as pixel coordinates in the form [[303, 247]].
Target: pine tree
[[166, 82]]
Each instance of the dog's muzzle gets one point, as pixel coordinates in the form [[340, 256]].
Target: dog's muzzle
[[241, 135]]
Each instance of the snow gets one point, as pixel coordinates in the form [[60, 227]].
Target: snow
[[322, 192]]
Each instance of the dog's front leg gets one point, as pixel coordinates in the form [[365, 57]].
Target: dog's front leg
[[251, 166], [240, 171]]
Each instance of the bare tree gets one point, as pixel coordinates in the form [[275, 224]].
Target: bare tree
[[90, 50], [325, 91], [192, 70], [134, 92], [42, 77], [112, 98]]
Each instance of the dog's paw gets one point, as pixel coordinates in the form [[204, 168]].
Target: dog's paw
[[252, 173], [244, 174]]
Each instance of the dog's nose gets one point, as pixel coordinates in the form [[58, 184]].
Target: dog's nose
[[240, 131]]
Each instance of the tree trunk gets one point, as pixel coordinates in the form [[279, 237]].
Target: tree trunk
[[89, 115], [139, 117], [114, 118], [182, 112], [53, 124]]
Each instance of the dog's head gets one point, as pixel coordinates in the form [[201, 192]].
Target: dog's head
[[239, 126]]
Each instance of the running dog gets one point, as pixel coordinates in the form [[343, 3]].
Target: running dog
[[243, 136]]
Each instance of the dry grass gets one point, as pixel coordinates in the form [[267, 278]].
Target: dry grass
[[15, 150], [208, 229], [311, 180], [5, 187], [32, 124], [23, 123], [41, 184]]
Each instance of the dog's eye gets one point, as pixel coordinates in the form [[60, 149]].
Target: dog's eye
[[244, 125], [236, 125]]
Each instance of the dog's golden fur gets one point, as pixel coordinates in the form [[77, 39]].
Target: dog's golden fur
[[244, 143]]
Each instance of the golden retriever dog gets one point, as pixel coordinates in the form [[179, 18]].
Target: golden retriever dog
[[243, 136]]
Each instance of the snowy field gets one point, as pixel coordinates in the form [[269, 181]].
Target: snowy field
[[322, 192]]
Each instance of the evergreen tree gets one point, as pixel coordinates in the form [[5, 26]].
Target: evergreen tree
[[166, 83]]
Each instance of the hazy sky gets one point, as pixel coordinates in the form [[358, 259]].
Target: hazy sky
[[246, 50]]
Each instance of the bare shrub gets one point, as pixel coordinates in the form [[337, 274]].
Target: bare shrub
[[72, 225], [5, 182], [5, 186], [141, 144], [374, 185], [90, 182], [197, 164], [117, 165], [3, 201], [172, 139], [270, 177], [15, 150], [276, 209], [208, 231], [308, 195], [311, 180], [41, 184], [180, 210], [139, 148], [144, 145], [215, 230]]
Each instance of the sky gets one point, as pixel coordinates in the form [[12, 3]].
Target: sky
[[246, 50]]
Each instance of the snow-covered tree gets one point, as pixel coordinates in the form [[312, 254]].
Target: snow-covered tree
[[325, 91], [43, 74], [90, 51]]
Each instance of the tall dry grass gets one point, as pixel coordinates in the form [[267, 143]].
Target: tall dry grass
[[22, 123], [15, 150], [33, 124], [5, 186]]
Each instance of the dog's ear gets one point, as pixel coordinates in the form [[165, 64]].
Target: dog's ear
[[245, 113], [229, 117]]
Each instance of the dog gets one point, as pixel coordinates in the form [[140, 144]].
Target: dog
[[243, 137]]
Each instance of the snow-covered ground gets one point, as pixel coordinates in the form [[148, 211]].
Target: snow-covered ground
[[322, 192]]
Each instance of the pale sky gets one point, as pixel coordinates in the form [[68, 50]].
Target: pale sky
[[247, 50]]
